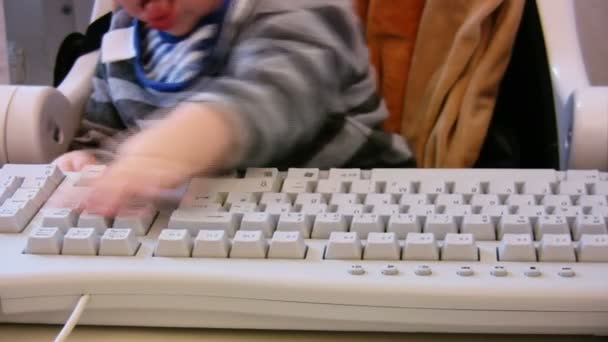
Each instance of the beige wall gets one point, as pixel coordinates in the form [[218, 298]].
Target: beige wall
[[4, 71], [592, 22]]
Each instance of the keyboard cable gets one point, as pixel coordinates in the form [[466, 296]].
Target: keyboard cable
[[73, 320]]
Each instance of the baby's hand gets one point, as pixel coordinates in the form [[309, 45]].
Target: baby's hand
[[74, 161], [194, 139]]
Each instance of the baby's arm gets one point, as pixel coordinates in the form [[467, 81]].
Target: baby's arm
[[283, 78], [194, 138]]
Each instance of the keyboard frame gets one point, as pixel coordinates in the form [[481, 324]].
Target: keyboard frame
[[309, 294]]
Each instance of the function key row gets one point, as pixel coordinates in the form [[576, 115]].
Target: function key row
[[227, 199], [499, 187]]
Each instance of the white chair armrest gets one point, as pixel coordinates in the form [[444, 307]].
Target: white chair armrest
[[37, 122], [589, 144], [581, 120]]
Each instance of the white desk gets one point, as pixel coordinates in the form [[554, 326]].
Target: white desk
[[26, 333]]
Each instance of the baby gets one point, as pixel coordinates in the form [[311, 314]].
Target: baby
[[231, 84]]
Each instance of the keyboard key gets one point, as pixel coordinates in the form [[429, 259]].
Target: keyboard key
[[502, 187], [91, 220], [556, 200], [600, 211], [588, 224], [536, 188], [331, 186], [449, 199], [399, 187], [257, 185], [459, 247], [569, 212], [259, 221], [382, 246], [440, 225], [136, 216], [36, 196], [514, 224], [571, 188], [422, 210], [600, 188], [379, 199], [386, 211], [364, 186], [495, 211], [467, 187], [211, 244], [485, 200], [201, 200], [344, 199], [349, 210], [275, 210], [240, 197], [364, 224], [520, 200], [261, 172], [62, 218], [118, 242], [249, 245], [13, 219], [240, 209], [11, 183], [310, 199], [229, 222], [531, 211], [345, 174], [80, 241], [174, 243], [294, 186], [302, 173], [44, 240], [556, 247], [593, 248], [433, 187], [415, 199], [343, 246], [550, 225], [480, 226], [591, 201], [327, 223], [295, 222], [274, 198], [516, 247], [403, 224], [585, 176], [458, 210], [89, 174], [313, 209], [420, 247], [287, 245]]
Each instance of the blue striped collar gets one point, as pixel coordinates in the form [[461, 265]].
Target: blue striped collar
[[217, 18]]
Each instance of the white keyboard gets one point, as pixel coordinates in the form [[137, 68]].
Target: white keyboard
[[484, 251]]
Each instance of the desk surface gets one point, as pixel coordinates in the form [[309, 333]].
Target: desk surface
[[26, 333]]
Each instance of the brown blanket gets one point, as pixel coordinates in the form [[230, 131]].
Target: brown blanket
[[391, 28], [462, 50]]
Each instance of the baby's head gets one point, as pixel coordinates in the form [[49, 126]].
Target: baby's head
[[176, 17]]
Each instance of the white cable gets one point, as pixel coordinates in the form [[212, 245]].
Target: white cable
[[73, 320]]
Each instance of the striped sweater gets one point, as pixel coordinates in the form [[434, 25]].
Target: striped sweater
[[296, 73]]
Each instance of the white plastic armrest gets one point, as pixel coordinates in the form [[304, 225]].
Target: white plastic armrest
[[38, 123], [589, 144]]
